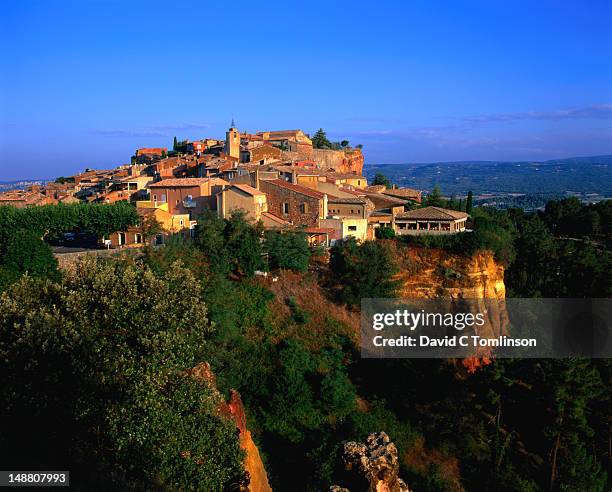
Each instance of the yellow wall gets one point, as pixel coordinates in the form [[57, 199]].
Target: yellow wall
[[360, 224], [233, 198], [151, 204]]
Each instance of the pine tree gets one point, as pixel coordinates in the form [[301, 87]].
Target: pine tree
[[175, 144], [320, 140], [381, 179], [434, 199]]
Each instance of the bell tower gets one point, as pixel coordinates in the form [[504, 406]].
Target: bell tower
[[232, 141]]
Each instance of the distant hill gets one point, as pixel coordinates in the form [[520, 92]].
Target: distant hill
[[20, 184], [576, 175]]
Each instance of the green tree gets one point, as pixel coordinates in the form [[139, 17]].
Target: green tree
[[124, 337], [210, 239], [344, 144], [381, 179], [149, 227], [175, 144], [26, 253], [572, 467], [531, 272], [434, 199], [469, 204], [243, 243], [363, 270], [287, 249], [50, 221], [320, 140], [384, 233]]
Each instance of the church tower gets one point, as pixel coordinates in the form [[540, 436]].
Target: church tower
[[232, 141]]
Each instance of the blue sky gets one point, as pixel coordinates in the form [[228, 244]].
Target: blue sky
[[84, 83]]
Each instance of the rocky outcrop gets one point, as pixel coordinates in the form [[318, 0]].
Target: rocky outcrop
[[341, 161], [234, 410], [427, 273], [432, 273], [374, 466]]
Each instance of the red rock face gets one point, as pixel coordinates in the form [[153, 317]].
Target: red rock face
[[341, 161]]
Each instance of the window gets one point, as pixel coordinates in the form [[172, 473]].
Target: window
[[163, 197], [285, 208], [352, 228], [154, 198], [138, 238], [303, 208], [181, 222]]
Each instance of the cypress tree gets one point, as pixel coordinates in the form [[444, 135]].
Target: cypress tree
[[469, 203]]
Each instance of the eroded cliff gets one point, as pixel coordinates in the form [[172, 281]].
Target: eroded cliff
[[478, 280], [341, 161]]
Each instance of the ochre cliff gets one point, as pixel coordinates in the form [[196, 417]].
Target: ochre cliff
[[341, 161], [427, 273]]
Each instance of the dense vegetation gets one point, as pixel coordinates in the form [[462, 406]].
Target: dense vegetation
[[23, 232], [50, 221], [93, 380], [125, 332]]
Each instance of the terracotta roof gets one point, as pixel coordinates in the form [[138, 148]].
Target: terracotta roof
[[386, 198], [296, 188], [172, 182], [404, 192], [278, 133], [432, 213], [248, 189], [267, 216], [376, 188], [344, 176], [352, 191], [334, 199]]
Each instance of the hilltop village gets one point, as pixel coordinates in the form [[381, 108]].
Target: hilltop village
[[284, 179]]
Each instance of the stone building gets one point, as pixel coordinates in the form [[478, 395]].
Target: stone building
[[187, 195], [430, 220], [294, 203], [242, 197]]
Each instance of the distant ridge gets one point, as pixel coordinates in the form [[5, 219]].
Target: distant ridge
[[587, 159], [581, 175]]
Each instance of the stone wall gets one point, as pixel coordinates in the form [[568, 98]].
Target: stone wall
[[277, 195]]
